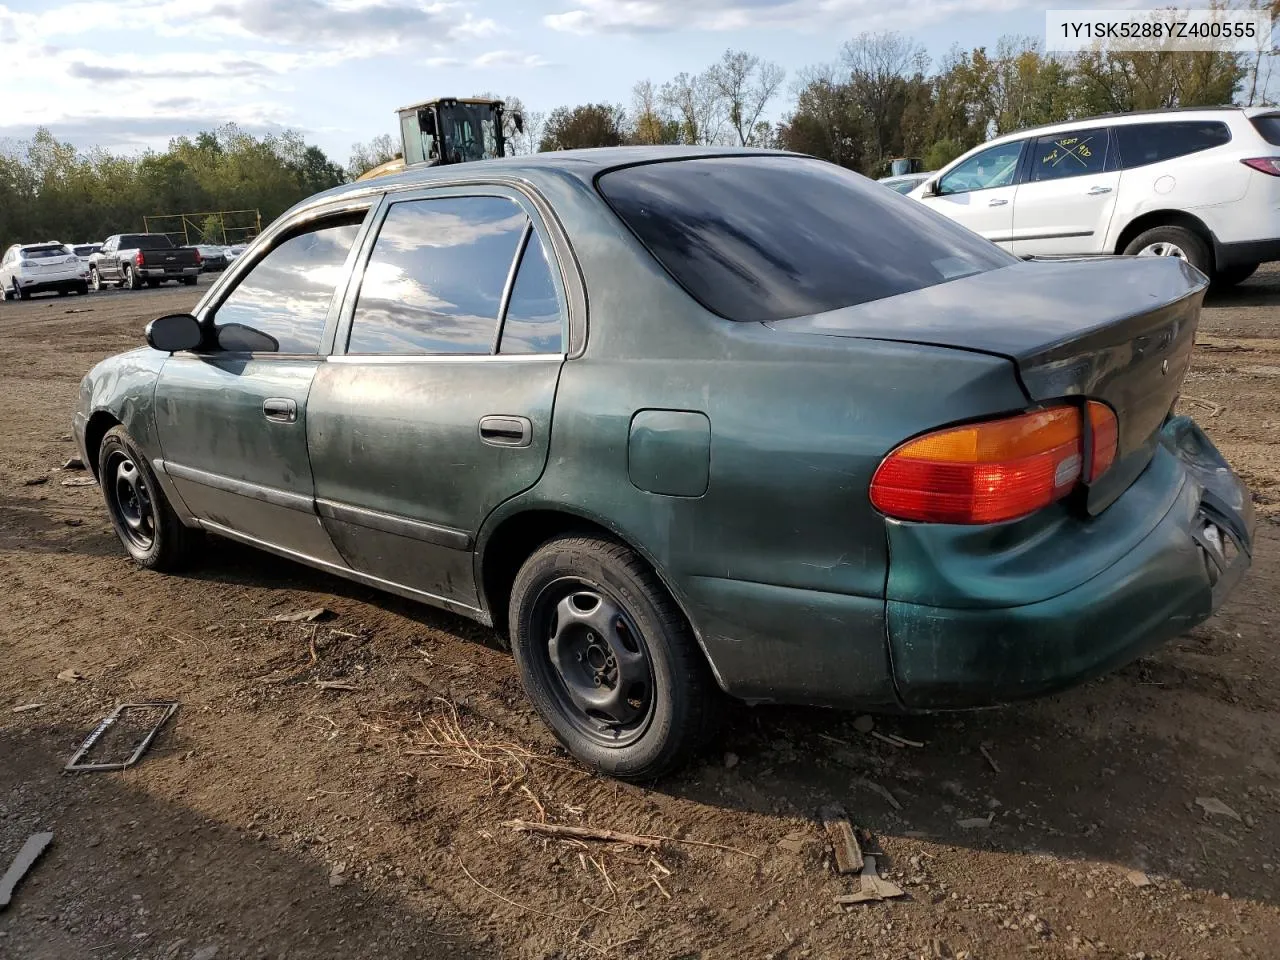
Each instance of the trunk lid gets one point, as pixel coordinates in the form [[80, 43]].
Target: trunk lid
[[1119, 329]]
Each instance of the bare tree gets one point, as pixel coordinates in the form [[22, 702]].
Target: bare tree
[[364, 157], [653, 122], [698, 107], [746, 84]]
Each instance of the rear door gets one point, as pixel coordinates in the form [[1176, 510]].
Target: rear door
[[232, 421], [1065, 203], [436, 406], [979, 192]]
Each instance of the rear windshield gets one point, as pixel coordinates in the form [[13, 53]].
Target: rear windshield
[[769, 238], [1269, 126], [45, 252], [84, 251], [145, 241]]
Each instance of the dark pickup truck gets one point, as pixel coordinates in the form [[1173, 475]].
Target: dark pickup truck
[[131, 259]]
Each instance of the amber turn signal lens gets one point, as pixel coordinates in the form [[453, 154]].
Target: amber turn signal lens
[[996, 470]]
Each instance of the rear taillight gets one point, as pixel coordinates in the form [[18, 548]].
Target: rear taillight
[[996, 470], [1268, 165], [199, 259], [138, 259]]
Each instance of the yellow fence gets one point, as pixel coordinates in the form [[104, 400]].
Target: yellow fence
[[223, 227]]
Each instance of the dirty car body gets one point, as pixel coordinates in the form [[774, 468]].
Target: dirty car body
[[733, 366]]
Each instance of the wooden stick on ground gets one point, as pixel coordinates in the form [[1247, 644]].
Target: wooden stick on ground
[[843, 842], [584, 833]]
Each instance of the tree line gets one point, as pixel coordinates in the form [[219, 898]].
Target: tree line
[[881, 98]]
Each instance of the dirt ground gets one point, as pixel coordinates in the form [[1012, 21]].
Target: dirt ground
[[277, 818]]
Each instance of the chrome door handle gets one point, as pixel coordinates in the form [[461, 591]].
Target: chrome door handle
[[997, 203], [1096, 191], [506, 431], [280, 410]]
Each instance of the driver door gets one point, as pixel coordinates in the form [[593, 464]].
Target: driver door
[[232, 421], [978, 192]]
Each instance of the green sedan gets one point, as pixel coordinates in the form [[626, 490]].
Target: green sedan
[[684, 423]]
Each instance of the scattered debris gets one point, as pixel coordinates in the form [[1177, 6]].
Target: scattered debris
[[584, 833], [1138, 878], [27, 708], [34, 481], [205, 953], [71, 675], [167, 709], [940, 950], [28, 855], [843, 841], [334, 685], [976, 823], [874, 787], [985, 750], [864, 723], [1213, 408], [891, 741], [793, 842], [73, 522], [873, 889], [1212, 806], [78, 310], [730, 761], [337, 876], [304, 616], [75, 463], [80, 482], [905, 742]]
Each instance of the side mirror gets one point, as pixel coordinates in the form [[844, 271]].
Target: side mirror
[[519, 120], [933, 188], [175, 332]]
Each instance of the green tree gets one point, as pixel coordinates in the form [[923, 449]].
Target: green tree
[[588, 125]]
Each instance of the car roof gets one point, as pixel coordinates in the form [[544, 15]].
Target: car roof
[[1125, 119], [584, 165]]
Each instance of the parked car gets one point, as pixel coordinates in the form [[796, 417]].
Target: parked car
[[31, 268], [84, 251], [676, 420], [905, 183], [1202, 185], [131, 259], [213, 258]]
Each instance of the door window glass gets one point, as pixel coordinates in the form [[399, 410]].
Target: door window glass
[[1143, 143], [280, 306], [532, 323], [983, 171], [435, 277], [1071, 154]]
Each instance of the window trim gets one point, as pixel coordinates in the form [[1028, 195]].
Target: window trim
[[229, 280], [522, 199], [1018, 168]]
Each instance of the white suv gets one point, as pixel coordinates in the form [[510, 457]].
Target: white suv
[[28, 268], [1202, 185]]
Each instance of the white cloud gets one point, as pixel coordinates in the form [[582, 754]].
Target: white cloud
[[509, 58]]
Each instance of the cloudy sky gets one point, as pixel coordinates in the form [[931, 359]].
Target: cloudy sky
[[127, 74]]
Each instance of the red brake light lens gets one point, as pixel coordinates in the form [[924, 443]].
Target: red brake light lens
[[199, 259], [996, 470], [1268, 165], [139, 259]]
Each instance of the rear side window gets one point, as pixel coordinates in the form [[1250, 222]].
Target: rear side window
[[532, 322], [281, 305], [1143, 143], [436, 275], [1073, 154], [768, 238], [1269, 127]]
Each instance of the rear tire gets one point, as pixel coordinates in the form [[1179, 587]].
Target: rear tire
[[82, 289], [1171, 241], [189, 281], [131, 281], [608, 660], [19, 293], [1233, 275], [143, 519], [63, 291]]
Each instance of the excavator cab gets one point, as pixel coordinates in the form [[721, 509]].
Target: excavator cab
[[447, 131]]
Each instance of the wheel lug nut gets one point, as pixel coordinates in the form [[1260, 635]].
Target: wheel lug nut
[[596, 681]]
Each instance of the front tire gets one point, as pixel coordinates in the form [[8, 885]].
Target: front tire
[[608, 660], [1173, 241], [143, 519], [95, 279]]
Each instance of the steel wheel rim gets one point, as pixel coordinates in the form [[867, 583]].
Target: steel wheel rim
[[130, 500], [1163, 248], [594, 661]]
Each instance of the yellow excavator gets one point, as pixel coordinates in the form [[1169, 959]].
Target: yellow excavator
[[449, 130]]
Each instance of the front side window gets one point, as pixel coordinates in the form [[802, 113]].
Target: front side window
[[435, 277], [994, 167], [1143, 143], [1073, 154], [532, 321], [768, 238], [281, 304]]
